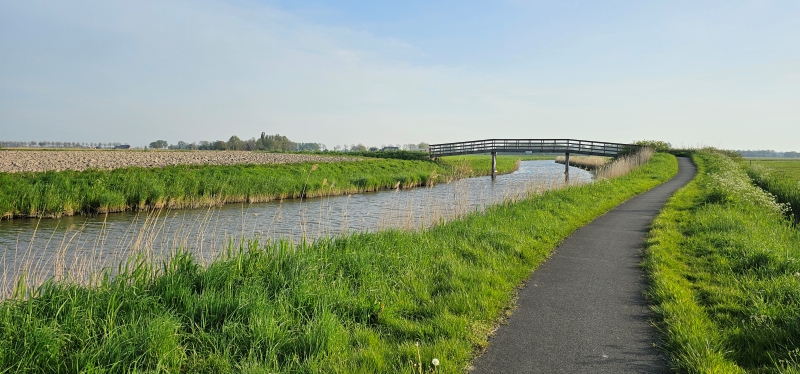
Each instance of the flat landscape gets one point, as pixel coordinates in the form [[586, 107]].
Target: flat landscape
[[789, 167], [37, 161], [418, 187], [391, 301]]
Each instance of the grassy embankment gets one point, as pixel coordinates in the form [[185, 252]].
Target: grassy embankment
[[724, 264], [53, 194], [378, 302]]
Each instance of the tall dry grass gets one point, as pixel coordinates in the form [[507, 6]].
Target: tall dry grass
[[584, 162], [625, 164]]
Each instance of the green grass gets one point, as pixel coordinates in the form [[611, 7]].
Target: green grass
[[723, 265], [780, 178], [53, 194], [788, 167], [355, 304]]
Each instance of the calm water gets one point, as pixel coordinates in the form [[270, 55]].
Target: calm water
[[74, 247]]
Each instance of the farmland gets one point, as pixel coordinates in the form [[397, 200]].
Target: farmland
[[789, 167]]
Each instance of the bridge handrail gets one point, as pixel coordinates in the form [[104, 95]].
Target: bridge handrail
[[538, 145]]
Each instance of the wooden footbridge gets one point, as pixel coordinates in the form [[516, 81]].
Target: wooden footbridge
[[565, 146]]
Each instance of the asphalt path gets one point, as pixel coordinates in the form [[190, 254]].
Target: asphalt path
[[583, 310]]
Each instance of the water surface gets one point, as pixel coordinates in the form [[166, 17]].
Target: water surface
[[75, 247]]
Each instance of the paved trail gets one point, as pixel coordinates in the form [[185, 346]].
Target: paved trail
[[582, 311]]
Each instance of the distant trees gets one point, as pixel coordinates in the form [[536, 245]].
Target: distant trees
[[277, 143], [236, 144], [272, 143], [416, 147], [313, 147], [50, 144], [159, 144], [656, 145], [768, 153]]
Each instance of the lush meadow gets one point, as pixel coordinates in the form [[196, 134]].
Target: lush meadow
[[724, 265], [780, 178], [788, 167], [380, 302], [53, 194]]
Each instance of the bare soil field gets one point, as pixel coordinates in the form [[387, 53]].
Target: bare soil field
[[37, 161]]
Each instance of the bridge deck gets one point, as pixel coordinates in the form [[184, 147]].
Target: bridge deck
[[586, 147]]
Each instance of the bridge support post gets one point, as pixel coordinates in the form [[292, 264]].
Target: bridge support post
[[494, 165], [566, 167]]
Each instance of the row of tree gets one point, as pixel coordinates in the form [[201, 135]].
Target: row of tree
[[769, 153], [265, 142], [277, 143], [362, 148], [49, 144], [273, 143]]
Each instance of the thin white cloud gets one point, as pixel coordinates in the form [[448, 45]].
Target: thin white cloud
[[192, 70]]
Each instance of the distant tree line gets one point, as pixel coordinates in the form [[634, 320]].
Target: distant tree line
[[49, 144], [662, 146], [278, 143], [420, 147], [769, 153], [272, 143]]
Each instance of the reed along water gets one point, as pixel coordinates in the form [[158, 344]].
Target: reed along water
[[75, 248]]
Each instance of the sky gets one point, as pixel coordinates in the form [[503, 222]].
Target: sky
[[693, 73]]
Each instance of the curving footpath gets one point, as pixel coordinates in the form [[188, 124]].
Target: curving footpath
[[583, 310]]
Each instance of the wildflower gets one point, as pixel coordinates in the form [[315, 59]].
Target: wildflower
[[435, 362]]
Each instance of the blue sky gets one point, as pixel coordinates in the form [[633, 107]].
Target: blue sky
[[718, 73]]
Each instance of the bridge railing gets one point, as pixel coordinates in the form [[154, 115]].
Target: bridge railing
[[586, 147]]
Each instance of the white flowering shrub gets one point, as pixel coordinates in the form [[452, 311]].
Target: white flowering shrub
[[785, 188], [728, 183]]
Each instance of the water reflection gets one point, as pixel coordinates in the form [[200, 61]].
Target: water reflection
[[75, 247]]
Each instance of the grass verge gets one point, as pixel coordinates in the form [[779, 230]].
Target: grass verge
[[725, 276], [54, 194], [382, 302]]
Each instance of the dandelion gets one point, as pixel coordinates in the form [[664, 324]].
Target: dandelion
[[435, 362]]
